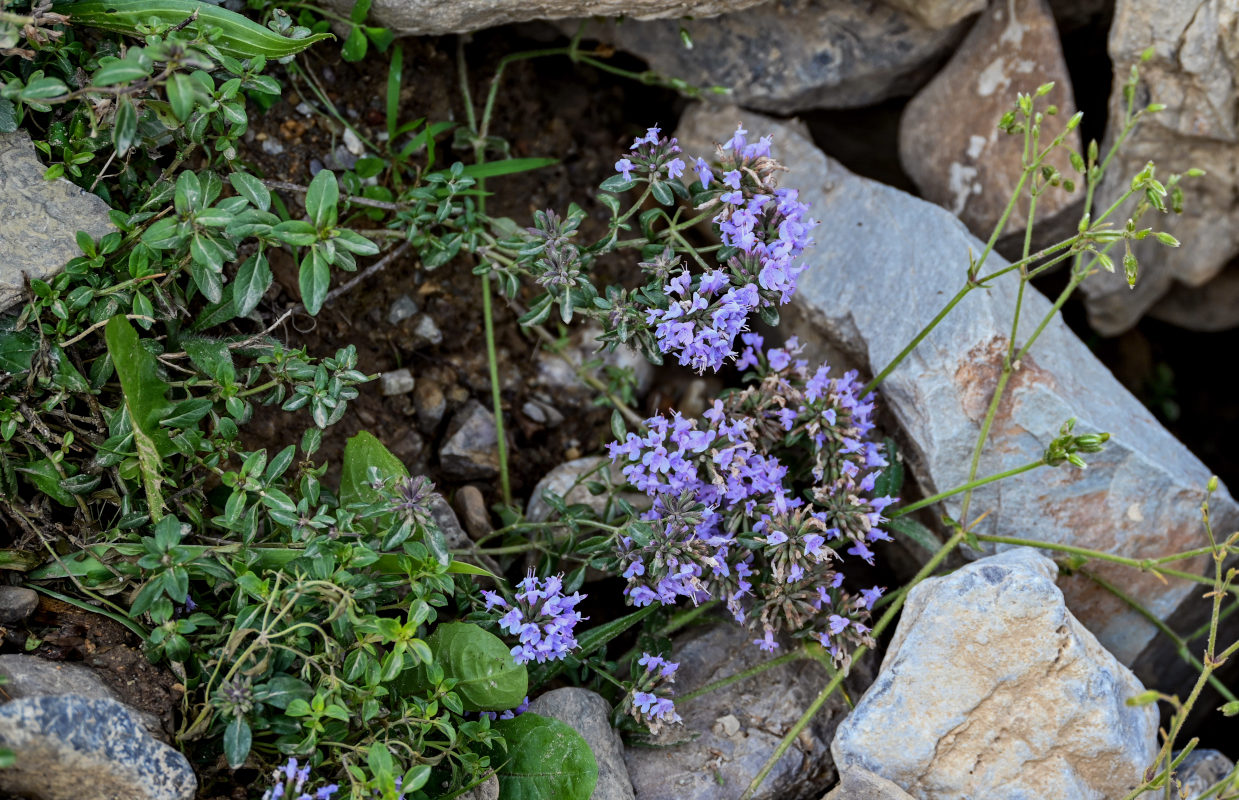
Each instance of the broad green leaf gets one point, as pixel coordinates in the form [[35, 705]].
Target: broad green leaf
[[212, 356], [282, 690], [125, 126], [145, 399], [355, 45], [295, 232], [251, 189], [362, 452], [321, 198], [546, 760], [462, 568], [314, 279], [46, 479], [252, 281], [17, 349], [43, 89], [180, 95], [487, 677], [239, 37], [237, 740]]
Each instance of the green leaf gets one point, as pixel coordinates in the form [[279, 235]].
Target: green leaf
[[121, 71], [617, 184], [46, 479], [906, 526], [295, 232], [125, 126], [187, 412], [546, 760], [251, 189], [362, 452], [355, 243], [238, 36], [890, 481], [252, 281], [145, 399], [463, 568], [314, 280], [355, 45], [180, 90], [321, 199], [43, 89], [237, 740], [508, 166], [282, 690], [395, 74], [487, 677], [17, 349], [212, 356]]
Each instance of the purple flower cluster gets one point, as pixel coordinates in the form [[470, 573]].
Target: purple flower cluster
[[650, 702], [511, 713], [542, 619], [288, 783], [764, 229], [728, 520]]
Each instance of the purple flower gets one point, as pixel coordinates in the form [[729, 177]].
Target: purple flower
[[288, 781], [542, 619], [675, 168], [625, 168], [767, 643], [703, 172]]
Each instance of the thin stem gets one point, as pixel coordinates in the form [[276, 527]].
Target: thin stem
[[1142, 565], [919, 504], [916, 340], [496, 397], [798, 653], [838, 677]]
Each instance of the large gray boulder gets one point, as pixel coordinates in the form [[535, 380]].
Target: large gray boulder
[[39, 219], [884, 265], [1193, 72], [790, 55], [435, 17], [31, 676], [69, 747], [991, 688], [729, 733]]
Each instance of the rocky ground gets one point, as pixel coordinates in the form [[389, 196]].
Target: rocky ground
[[1004, 678]]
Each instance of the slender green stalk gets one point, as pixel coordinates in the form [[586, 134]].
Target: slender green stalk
[[1143, 565], [966, 487], [838, 677], [743, 675]]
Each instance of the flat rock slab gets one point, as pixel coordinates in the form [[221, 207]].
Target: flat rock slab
[[39, 219], [791, 55], [729, 733], [74, 748], [884, 265], [992, 689], [435, 17]]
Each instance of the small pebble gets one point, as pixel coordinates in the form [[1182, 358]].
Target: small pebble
[[316, 166], [426, 331], [401, 309], [303, 108], [399, 381], [534, 412], [272, 147], [430, 403], [352, 143], [471, 507], [17, 603]]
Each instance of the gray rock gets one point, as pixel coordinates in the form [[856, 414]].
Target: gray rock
[[434, 17], [272, 147], [17, 603], [398, 381], [426, 331], [1193, 72], [1213, 306], [791, 55], [563, 481], [991, 688], [470, 450], [703, 761], [39, 219], [472, 509], [588, 714], [455, 535], [861, 784], [70, 748], [1201, 770], [401, 309], [534, 412], [949, 142], [486, 790], [430, 404], [939, 13], [31, 676], [558, 371], [887, 266]]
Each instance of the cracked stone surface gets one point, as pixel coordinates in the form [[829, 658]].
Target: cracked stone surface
[[435, 17], [884, 265], [991, 688], [39, 218]]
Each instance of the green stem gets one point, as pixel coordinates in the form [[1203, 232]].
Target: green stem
[[1142, 565], [683, 618], [798, 653], [838, 677], [966, 487], [492, 362]]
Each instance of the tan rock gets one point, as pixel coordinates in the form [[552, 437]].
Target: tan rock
[[949, 142], [991, 688], [1193, 72]]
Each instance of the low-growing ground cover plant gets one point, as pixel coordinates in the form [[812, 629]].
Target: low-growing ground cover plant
[[328, 638]]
